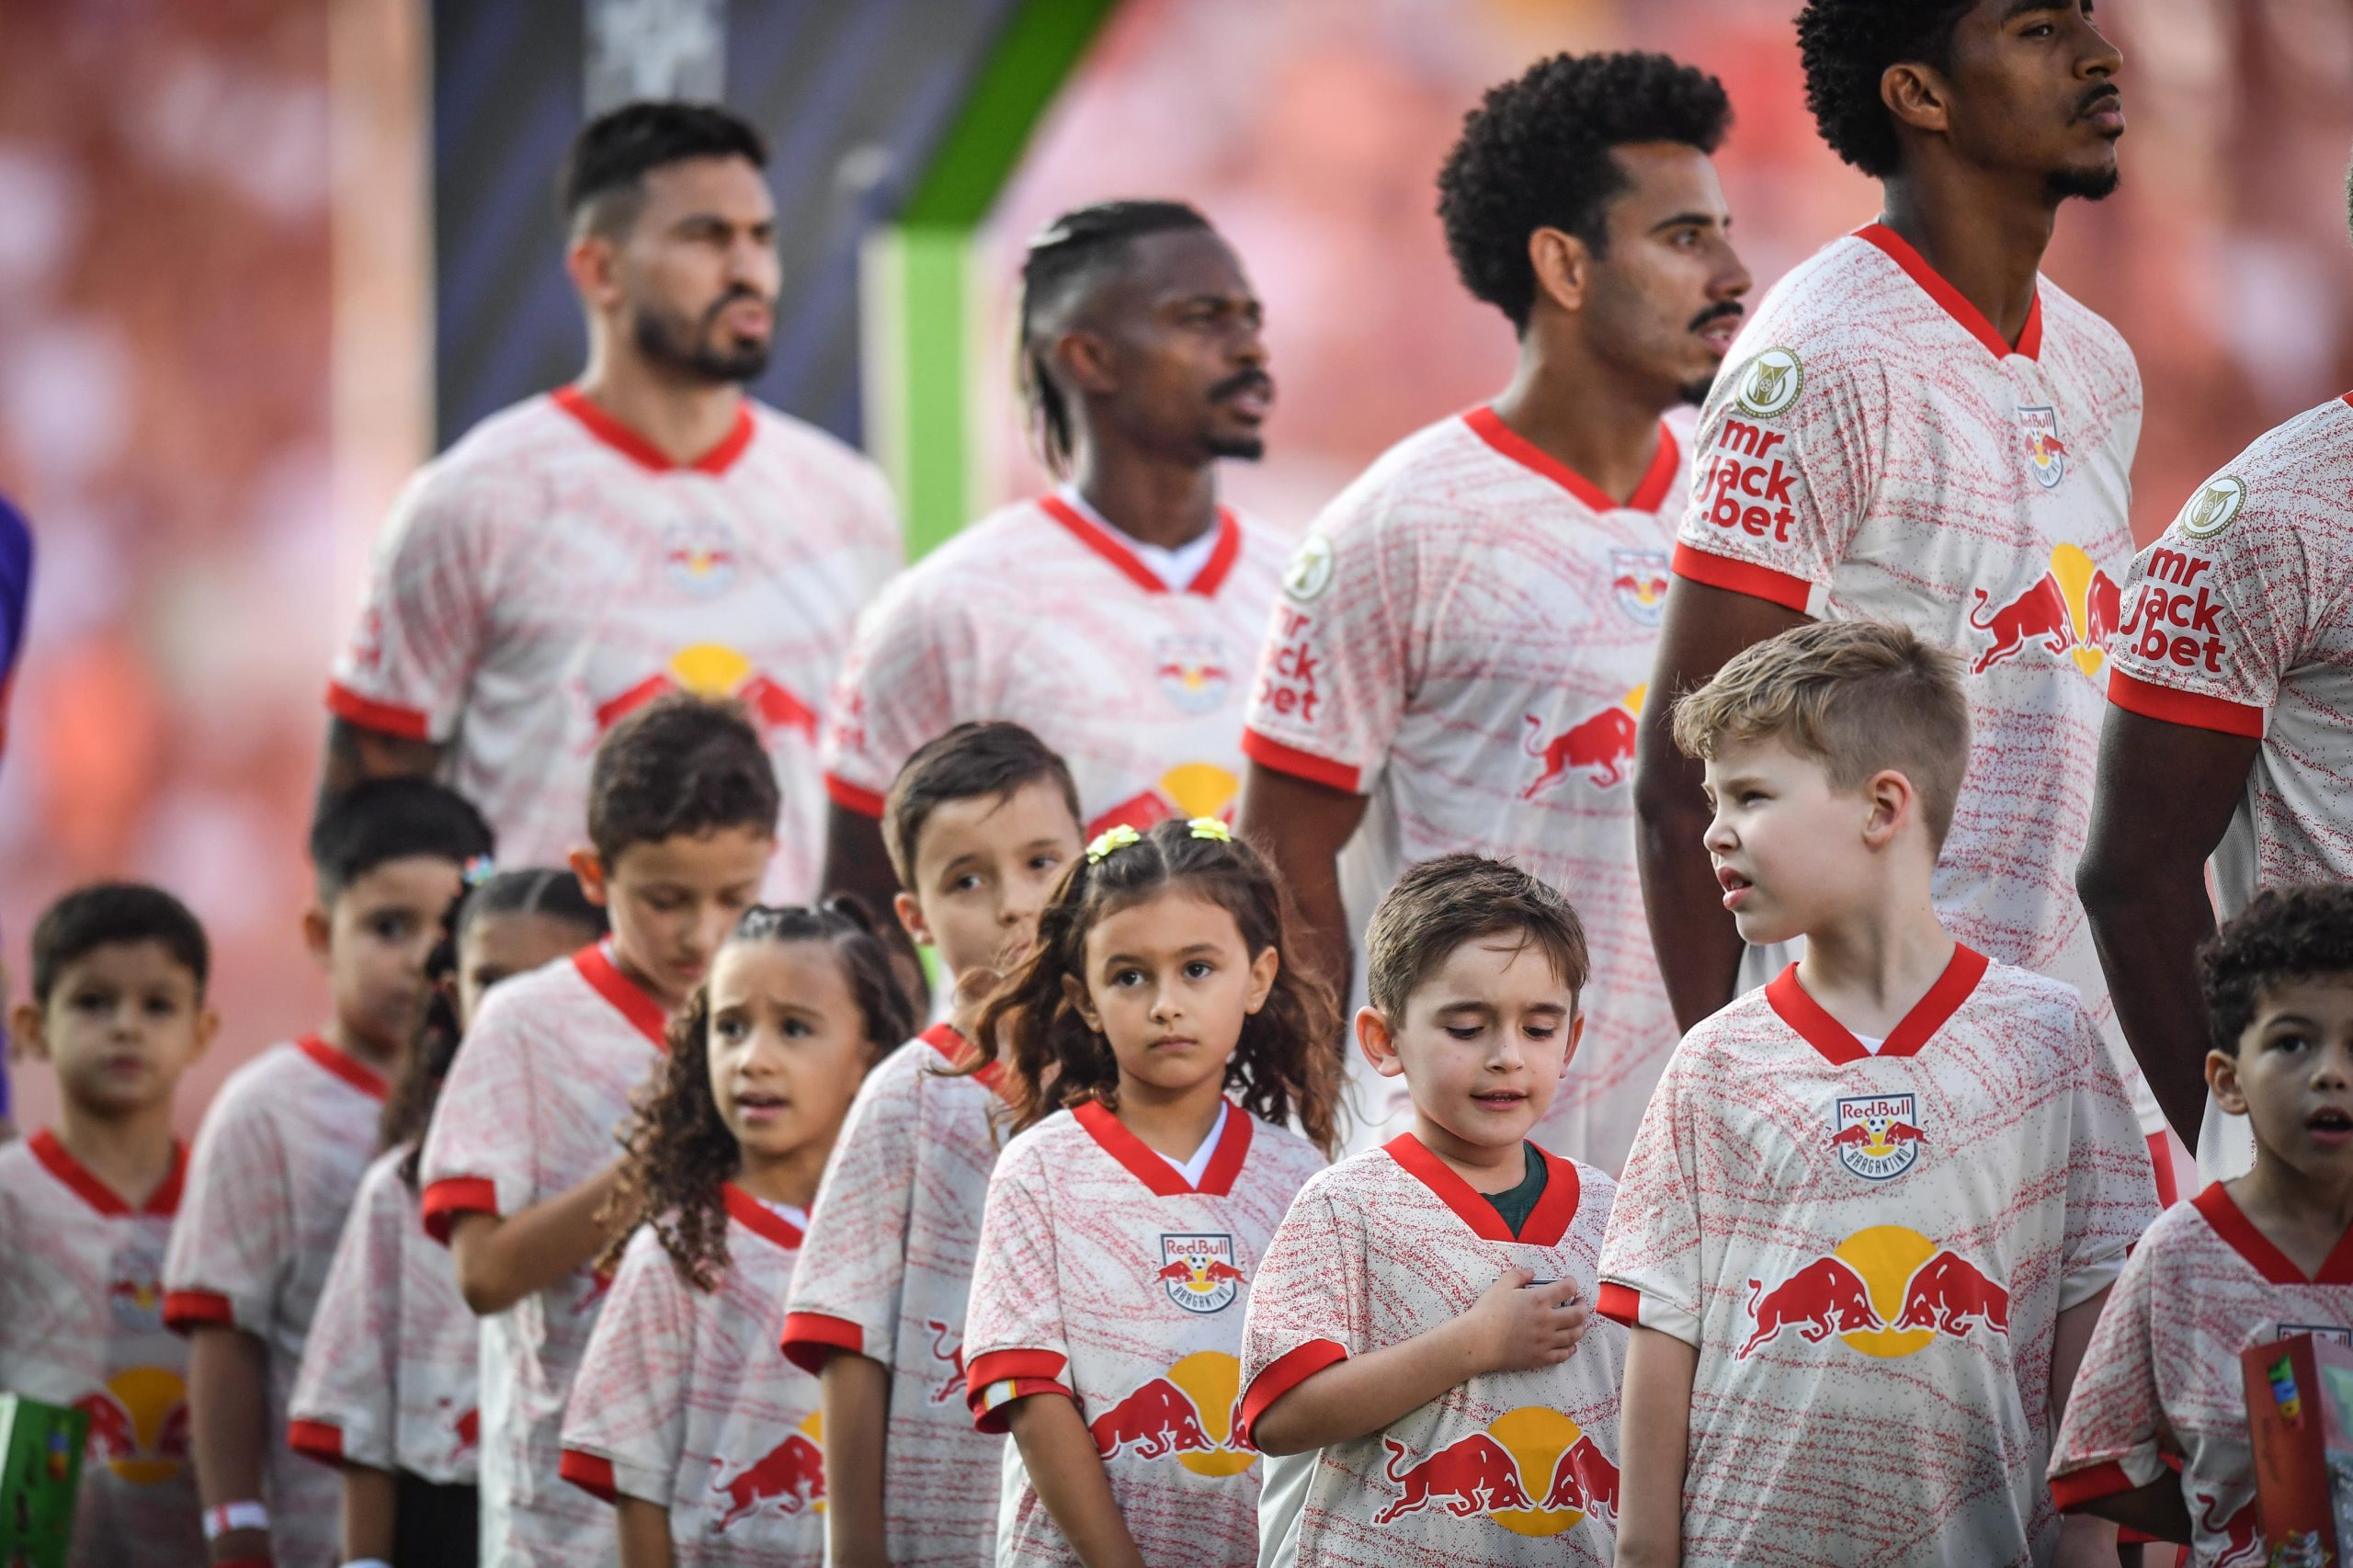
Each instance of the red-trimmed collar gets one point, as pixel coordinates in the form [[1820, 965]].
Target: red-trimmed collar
[[1838, 1042], [1956, 306], [1147, 1166], [1546, 1223], [644, 453], [760, 1219], [58, 1161], [1111, 548], [344, 1065], [631, 1000], [2231, 1223], [1489, 427], [956, 1050]]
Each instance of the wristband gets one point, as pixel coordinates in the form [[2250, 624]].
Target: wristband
[[248, 1515]]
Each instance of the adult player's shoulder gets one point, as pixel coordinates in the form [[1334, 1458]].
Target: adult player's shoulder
[[2292, 479], [2079, 339], [498, 469], [1421, 471], [1002, 543], [821, 459]]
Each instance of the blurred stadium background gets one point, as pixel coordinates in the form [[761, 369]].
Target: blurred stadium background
[[261, 257]]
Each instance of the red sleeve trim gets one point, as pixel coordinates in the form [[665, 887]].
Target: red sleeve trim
[[1268, 752], [811, 1340], [1281, 1375], [1742, 577], [993, 1421], [185, 1309], [851, 797], [446, 1199], [2189, 708], [2076, 1487], [1620, 1303], [1030, 1371], [315, 1439], [590, 1473], [390, 718]]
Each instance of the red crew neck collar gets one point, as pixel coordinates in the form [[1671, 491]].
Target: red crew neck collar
[[1147, 1166], [1648, 496], [1957, 305], [955, 1050], [608, 428], [631, 1000], [86, 1184], [1837, 1043], [1546, 1223], [2231, 1223], [760, 1219], [1113, 549], [344, 1065]]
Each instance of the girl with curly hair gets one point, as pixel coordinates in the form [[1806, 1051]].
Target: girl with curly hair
[[1155, 1043], [684, 1414]]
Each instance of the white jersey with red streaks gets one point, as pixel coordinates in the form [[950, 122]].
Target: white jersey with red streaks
[[534, 1107], [552, 571], [1105, 1278], [276, 1165], [1464, 638], [1039, 615], [683, 1402], [389, 1377], [887, 1272], [1506, 1468], [1871, 1254], [2162, 1380], [1875, 450], [82, 1325]]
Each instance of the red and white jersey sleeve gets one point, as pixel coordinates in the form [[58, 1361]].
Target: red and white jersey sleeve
[[683, 1402], [1875, 450], [534, 1107], [1466, 638], [1389, 1246], [2160, 1386], [552, 571], [277, 1163], [389, 1375], [1039, 615], [1107, 1279], [1871, 1254], [82, 1325], [887, 1272]]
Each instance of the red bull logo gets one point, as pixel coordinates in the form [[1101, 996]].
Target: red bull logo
[[947, 1347], [1885, 1292], [2046, 453], [1188, 789], [1195, 674], [2071, 609], [1533, 1472], [700, 556], [1638, 579], [713, 671], [790, 1479], [1877, 1136], [137, 1304], [1186, 1414], [1198, 1272], [2242, 1533], [138, 1424], [1602, 746]]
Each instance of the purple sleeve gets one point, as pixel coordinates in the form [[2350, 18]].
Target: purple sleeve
[[16, 594]]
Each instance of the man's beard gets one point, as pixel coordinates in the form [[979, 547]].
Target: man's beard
[[2092, 185], [668, 342], [1249, 449]]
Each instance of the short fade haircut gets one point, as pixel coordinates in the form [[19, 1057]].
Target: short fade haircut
[[1536, 153], [982, 760], [106, 915], [1846, 45], [602, 188], [383, 820], [1439, 904], [679, 766], [1859, 696], [2285, 935]]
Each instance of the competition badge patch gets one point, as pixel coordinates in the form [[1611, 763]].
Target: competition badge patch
[[1769, 383]]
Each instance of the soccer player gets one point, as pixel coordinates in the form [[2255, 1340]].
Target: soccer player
[[519, 1160], [1419, 1349], [1462, 642], [981, 823], [279, 1157], [1917, 426], [119, 1011], [648, 528], [2246, 1262], [1115, 616], [1875, 1206]]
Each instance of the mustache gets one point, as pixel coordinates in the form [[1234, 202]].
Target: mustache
[[1246, 380], [1730, 309], [2106, 96], [735, 296]]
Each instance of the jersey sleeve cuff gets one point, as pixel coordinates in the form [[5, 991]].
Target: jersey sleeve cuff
[[593, 1473], [369, 713], [2074, 1490], [1624, 1303], [1742, 577], [1281, 1375], [811, 1340], [447, 1198], [2172, 706], [852, 797], [1268, 752], [184, 1310], [994, 1380], [320, 1440]]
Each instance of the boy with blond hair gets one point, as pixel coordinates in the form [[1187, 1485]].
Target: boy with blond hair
[[1875, 1206]]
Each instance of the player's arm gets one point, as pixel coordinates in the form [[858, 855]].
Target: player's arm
[[1654, 1437], [2086, 1539], [644, 1533], [1698, 949], [1302, 826], [854, 1400], [2165, 796], [356, 754], [1068, 1473], [501, 1259], [369, 1499], [2156, 1510], [228, 1401]]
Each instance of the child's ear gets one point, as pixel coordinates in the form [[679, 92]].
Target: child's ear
[[2222, 1078], [589, 866], [1263, 969], [318, 927], [1893, 802], [25, 1036], [1374, 1040], [1577, 1035], [910, 913], [207, 1024], [1081, 1002]]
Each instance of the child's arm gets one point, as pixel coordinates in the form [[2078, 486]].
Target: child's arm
[[502, 1259], [1513, 1327], [369, 1500], [228, 1408], [2087, 1537], [2156, 1510], [856, 1405], [1068, 1473], [1654, 1439], [645, 1531]]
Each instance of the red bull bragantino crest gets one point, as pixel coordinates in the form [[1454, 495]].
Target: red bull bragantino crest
[[1885, 1292], [1877, 1137], [1638, 580], [2046, 453], [1197, 1272], [700, 556], [1533, 1472]]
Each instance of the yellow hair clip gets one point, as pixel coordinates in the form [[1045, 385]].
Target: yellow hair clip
[[1110, 841], [1212, 829]]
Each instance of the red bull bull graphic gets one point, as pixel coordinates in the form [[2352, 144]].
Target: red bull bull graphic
[[790, 1479], [711, 670], [1533, 1472], [700, 556], [2241, 1532], [1194, 673], [1601, 745], [1638, 580], [1198, 1273], [2046, 454], [952, 1387], [137, 1304], [2072, 609], [1885, 1292], [138, 1424], [1185, 1414], [1877, 1136], [1188, 789]]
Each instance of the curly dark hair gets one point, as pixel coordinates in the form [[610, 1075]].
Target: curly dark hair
[[680, 764], [678, 1153], [1284, 1065], [1536, 155], [2284, 935], [1846, 45]]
